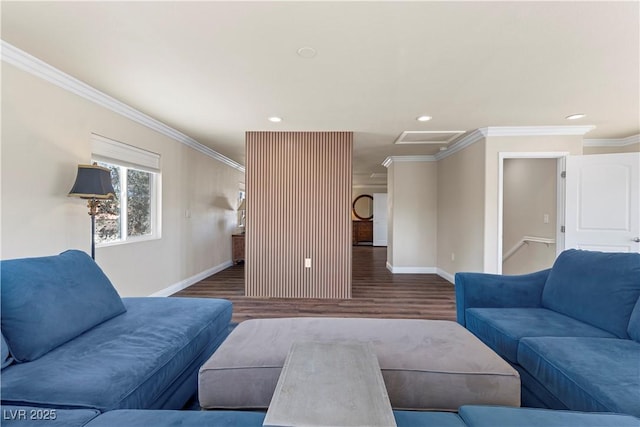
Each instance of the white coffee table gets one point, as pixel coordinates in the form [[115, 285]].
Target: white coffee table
[[334, 384]]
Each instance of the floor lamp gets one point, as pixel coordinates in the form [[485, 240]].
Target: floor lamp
[[93, 183]]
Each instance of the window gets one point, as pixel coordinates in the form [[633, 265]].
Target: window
[[133, 215]]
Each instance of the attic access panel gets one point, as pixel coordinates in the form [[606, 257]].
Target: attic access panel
[[428, 137]]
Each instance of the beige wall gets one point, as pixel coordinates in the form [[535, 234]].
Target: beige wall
[[631, 148], [460, 226], [529, 195], [298, 206], [414, 217], [494, 145], [46, 134]]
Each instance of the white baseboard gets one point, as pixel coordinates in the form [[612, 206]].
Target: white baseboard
[[191, 280], [411, 270], [446, 275]]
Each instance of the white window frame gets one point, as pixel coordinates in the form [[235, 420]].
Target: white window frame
[[125, 156]]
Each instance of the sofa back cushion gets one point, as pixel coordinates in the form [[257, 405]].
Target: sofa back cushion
[[598, 288], [6, 356], [50, 300], [634, 323]]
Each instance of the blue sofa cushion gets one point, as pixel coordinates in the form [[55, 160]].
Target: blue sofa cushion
[[596, 287], [48, 301], [159, 418], [502, 328], [494, 416], [126, 362], [6, 355], [29, 416], [634, 323], [586, 374]]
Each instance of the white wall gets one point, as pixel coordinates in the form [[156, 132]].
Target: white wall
[[413, 221], [529, 194], [46, 134]]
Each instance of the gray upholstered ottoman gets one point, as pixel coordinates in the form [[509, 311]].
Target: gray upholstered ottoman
[[426, 364]]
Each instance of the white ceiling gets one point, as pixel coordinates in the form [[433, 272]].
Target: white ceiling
[[214, 70]]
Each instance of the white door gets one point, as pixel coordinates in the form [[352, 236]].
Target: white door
[[379, 219], [603, 202]]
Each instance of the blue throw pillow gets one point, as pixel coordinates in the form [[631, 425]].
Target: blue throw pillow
[[598, 288], [50, 300], [6, 356]]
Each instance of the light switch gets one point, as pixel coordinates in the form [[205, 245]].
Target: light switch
[[307, 263]]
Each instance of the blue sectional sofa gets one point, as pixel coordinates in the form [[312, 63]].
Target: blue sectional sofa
[[69, 341], [572, 332], [467, 416]]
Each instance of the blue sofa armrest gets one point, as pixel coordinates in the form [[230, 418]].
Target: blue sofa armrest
[[495, 290]]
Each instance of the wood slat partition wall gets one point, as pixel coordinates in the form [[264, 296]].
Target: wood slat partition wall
[[298, 206]]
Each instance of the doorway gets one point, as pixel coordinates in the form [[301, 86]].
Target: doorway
[[530, 212]]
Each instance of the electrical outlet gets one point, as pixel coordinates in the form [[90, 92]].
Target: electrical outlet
[[545, 218], [307, 263]]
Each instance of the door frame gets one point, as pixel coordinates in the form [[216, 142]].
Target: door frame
[[560, 193]]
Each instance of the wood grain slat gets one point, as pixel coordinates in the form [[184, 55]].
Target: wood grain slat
[[376, 293]]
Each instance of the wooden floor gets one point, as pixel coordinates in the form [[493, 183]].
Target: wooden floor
[[375, 293]]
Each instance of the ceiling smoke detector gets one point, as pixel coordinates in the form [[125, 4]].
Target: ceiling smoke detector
[[306, 52]]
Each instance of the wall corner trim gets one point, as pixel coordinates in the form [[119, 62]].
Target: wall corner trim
[[26, 62], [170, 290]]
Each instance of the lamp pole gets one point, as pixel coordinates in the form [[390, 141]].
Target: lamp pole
[[92, 204]]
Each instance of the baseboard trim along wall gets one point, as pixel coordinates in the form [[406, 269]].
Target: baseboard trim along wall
[[410, 270], [422, 270], [446, 275], [191, 280]]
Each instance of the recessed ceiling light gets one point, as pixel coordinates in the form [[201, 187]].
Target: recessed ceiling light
[[423, 118], [306, 52], [576, 116], [275, 119]]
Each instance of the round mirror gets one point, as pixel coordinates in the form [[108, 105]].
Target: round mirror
[[363, 207]]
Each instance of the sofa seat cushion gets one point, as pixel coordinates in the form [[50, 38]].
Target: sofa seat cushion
[[586, 374], [492, 416], [126, 362], [160, 418], [427, 419], [48, 301], [502, 328], [598, 288], [29, 416]]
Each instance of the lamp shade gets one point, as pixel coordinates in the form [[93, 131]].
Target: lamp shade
[[93, 182]]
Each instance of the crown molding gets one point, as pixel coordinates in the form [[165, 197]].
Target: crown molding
[[26, 62], [536, 130], [389, 160], [614, 142], [461, 143], [479, 134]]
